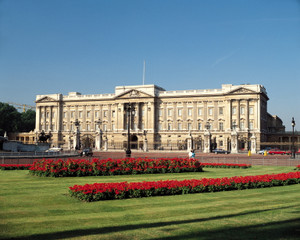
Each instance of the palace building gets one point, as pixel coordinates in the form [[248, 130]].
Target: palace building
[[234, 118]]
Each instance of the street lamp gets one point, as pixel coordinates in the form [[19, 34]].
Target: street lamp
[[293, 147], [129, 108]]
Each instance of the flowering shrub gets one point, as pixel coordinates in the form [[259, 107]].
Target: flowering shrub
[[15, 166], [121, 190], [96, 167], [225, 165], [298, 167]]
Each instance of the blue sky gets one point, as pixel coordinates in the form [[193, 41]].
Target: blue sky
[[91, 46]]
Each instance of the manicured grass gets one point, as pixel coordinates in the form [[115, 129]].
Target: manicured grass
[[40, 208]]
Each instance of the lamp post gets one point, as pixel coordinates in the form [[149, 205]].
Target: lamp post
[[293, 147], [77, 124], [130, 112]]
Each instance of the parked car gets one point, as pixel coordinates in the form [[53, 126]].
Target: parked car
[[263, 151], [277, 151], [87, 152], [54, 149], [219, 150]]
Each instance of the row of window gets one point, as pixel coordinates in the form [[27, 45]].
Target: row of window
[[209, 127], [210, 112]]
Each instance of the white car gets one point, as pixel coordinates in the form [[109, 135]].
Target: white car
[[54, 149]]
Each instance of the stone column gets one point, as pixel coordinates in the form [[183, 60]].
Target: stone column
[[238, 117], [234, 142], [247, 114], [98, 142], [105, 144], [189, 142], [253, 144], [207, 141], [38, 119]]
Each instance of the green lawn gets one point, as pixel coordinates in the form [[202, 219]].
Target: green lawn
[[40, 208]]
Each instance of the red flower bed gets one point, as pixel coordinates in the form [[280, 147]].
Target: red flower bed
[[106, 191], [298, 167], [96, 167], [15, 166]]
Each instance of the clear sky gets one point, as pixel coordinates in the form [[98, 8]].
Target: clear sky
[[91, 46]]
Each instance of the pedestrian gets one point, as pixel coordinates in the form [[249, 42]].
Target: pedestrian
[[193, 153]]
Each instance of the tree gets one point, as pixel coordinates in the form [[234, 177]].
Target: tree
[[9, 118], [27, 122], [13, 121]]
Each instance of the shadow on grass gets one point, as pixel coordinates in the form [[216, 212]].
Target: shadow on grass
[[258, 231], [281, 230]]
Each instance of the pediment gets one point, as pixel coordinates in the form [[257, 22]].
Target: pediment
[[46, 99], [134, 94], [241, 91]]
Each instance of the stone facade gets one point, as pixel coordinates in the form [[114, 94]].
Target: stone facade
[[162, 119]]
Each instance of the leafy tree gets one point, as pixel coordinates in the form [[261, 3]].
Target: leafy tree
[[9, 118], [13, 121], [27, 122]]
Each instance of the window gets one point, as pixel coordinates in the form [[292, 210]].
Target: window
[[199, 126], [179, 112], [242, 110], [53, 114], [64, 127], [169, 126], [210, 111], [88, 113], [221, 110], [143, 112], [113, 113], [242, 125], [47, 115], [251, 125], [159, 126], [42, 115], [221, 143], [88, 127], [113, 127], [189, 126], [96, 114], [233, 110], [169, 143], [221, 126], [160, 111], [190, 111], [71, 127], [105, 128], [80, 114], [170, 112], [65, 114], [179, 126], [72, 114], [199, 111], [142, 126], [251, 110], [105, 113]]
